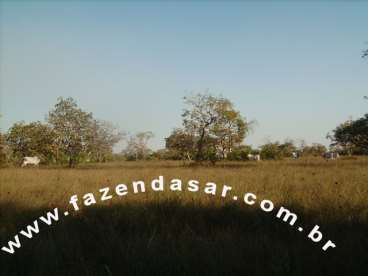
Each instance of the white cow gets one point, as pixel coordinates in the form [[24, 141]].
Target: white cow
[[254, 157], [295, 155], [31, 160]]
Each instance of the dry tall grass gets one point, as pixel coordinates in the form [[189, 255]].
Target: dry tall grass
[[186, 233]]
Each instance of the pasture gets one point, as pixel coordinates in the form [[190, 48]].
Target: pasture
[[183, 233]]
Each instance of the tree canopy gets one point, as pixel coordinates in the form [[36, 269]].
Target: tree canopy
[[137, 146], [211, 128], [352, 136], [73, 128], [31, 139], [70, 134]]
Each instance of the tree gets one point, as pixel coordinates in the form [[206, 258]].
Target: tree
[[240, 153], [2, 146], [287, 148], [230, 129], [73, 128], [365, 53], [271, 151], [164, 154], [181, 143], [103, 136], [315, 149], [352, 136], [200, 118], [137, 146], [31, 139], [214, 124], [2, 149]]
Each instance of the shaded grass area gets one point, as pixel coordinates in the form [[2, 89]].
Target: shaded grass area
[[171, 238], [189, 234]]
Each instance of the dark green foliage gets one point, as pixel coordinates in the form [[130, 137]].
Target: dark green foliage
[[2, 150], [181, 143], [352, 136], [240, 153], [314, 150], [365, 53], [271, 151]]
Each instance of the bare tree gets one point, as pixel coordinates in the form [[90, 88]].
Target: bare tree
[[103, 136], [137, 146]]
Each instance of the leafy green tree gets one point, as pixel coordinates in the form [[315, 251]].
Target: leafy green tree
[[240, 153], [271, 151], [352, 134], [211, 151], [33, 139], [73, 128], [181, 143]]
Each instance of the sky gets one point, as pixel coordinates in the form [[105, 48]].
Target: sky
[[293, 66]]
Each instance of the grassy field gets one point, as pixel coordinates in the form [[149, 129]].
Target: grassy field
[[186, 233]]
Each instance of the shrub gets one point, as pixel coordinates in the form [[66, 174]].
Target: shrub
[[271, 151]]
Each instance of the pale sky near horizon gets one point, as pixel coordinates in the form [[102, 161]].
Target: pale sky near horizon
[[295, 67]]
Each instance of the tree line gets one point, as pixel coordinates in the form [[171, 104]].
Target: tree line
[[212, 129], [69, 135]]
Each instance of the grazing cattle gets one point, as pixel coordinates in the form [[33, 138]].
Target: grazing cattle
[[31, 160], [295, 155], [254, 157], [331, 155]]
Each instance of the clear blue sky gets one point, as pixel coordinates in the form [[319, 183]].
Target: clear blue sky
[[294, 67]]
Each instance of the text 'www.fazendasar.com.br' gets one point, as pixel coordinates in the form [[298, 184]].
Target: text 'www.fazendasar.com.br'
[[158, 185]]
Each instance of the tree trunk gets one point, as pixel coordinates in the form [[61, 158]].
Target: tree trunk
[[71, 162], [199, 155]]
